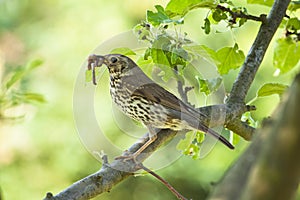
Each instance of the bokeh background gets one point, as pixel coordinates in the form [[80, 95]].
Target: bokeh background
[[42, 152]]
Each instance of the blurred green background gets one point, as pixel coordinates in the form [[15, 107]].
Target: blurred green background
[[43, 151]]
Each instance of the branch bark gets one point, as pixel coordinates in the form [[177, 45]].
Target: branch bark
[[111, 174], [270, 167], [256, 54]]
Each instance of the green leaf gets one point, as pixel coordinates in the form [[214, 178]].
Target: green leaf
[[146, 65], [261, 2], [293, 24], [286, 54], [235, 138], [182, 7], [225, 59], [206, 26], [246, 117], [159, 50], [159, 57], [123, 50], [201, 51], [183, 144], [242, 21], [161, 60], [207, 86], [193, 151], [200, 136], [18, 75], [219, 15], [294, 5], [88, 76], [32, 97], [160, 17], [203, 86], [23, 71], [229, 58], [270, 89], [156, 18], [178, 56], [34, 64]]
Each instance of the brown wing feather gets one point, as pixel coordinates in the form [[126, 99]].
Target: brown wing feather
[[143, 86], [157, 94]]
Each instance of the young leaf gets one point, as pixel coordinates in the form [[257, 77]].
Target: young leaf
[[201, 51], [156, 18], [182, 7], [18, 75], [206, 26], [207, 86], [200, 136], [159, 50], [286, 54], [30, 97], [178, 56], [193, 151], [160, 17], [219, 15], [246, 117], [23, 71], [34, 64], [229, 58], [183, 144], [293, 24], [270, 89]]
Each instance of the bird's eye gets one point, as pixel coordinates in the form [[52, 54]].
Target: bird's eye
[[114, 59]]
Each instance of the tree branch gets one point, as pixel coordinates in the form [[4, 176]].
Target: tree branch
[[240, 14], [270, 167], [115, 172], [111, 174], [256, 54]]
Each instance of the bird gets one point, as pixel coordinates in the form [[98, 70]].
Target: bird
[[140, 98]]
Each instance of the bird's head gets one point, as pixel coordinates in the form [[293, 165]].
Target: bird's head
[[117, 64]]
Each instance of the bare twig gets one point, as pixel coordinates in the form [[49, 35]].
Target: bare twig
[[180, 88], [168, 185], [241, 14]]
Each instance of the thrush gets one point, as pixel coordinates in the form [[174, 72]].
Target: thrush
[[143, 100]]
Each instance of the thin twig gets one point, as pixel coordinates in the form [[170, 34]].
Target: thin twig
[[163, 181], [241, 14], [180, 89]]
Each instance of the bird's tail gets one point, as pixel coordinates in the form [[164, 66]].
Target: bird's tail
[[219, 137]]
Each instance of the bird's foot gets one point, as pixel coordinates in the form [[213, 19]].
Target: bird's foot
[[129, 156]]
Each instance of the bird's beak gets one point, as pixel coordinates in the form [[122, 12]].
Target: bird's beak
[[95, 61]]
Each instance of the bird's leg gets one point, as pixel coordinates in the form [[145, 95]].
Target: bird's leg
[[152, 138]]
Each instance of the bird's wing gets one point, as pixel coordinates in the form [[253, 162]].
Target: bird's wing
[[157, 94]]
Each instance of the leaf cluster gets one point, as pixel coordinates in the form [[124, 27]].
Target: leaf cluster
[[13, 93]]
